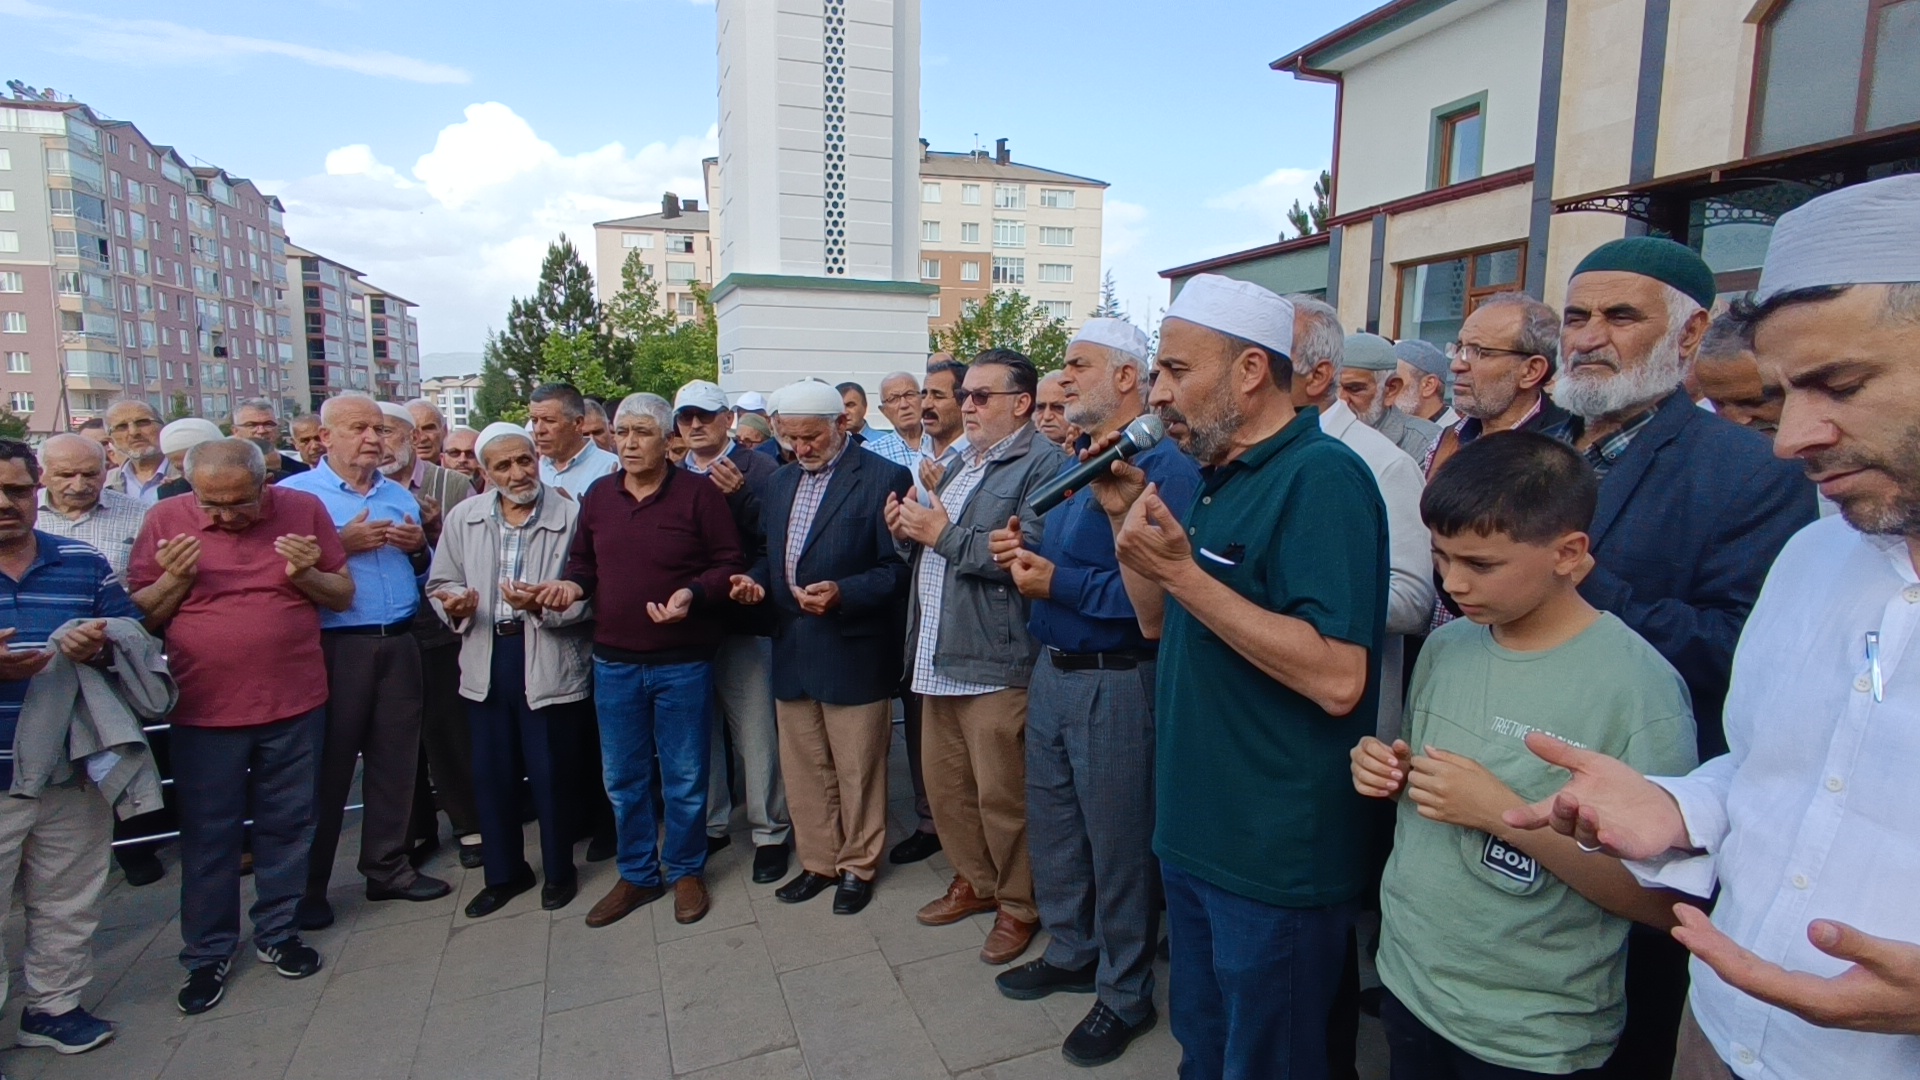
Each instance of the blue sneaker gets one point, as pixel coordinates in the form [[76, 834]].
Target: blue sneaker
[[75, 1031]]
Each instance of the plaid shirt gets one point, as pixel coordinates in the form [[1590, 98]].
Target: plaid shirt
[[1603, 454], [512, 555], [932, 579], [889, 445], [109, 527], [806, 503]]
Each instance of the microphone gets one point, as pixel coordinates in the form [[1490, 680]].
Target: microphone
[[1144, 433]]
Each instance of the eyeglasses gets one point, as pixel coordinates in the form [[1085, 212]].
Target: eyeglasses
[[1051, 407], [1467, 354], [895, 399], [229, 508], [981, 397]]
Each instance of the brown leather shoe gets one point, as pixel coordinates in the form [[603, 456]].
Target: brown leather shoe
[[690, 903], [1009, 939], [621, 901], [959, 902]]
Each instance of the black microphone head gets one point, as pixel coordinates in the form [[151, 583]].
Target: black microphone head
[[1146, 431]]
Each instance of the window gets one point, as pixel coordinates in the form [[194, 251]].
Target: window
[[12, 281], [1056, 273], [929, 193], [1057, 309], [929, 232], [153, 194], [970, 194], [930, 269], [6, 159], [13, 322], [10, 240], [1458, 139], [173, 208], [1009, 233], [933, 307], [680, 243], [970, 271], [688, 307], [21, 401], [1056, 198], [639, 240], [6, 200], [680, 273], [969, 232], [1827, 69], [1009, 271], [1436, 297], [1056, 237], [18, 364]]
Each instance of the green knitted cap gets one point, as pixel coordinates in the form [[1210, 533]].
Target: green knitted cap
[[1662, 260]]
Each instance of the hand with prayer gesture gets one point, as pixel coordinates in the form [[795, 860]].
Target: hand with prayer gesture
[[1151, 542], [908, 520], [677, 607], [179, 556], [301, 552], [742, 589], [726, 476], [1122, 485], [458, 603], [17, 664], [1032, 574]]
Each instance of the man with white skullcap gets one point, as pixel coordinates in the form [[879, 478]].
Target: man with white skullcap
[[1090, 719], [525, 671], [1811, 959], [1269, 601], [178, 437]]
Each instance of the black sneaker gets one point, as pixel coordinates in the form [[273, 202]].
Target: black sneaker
[[1037, 978], [1103, 1036], [205, 986], [291, 958]]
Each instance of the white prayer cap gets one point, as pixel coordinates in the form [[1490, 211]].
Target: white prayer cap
[[187, 433], [1239, 308], [751, 401], [808, 397], [1866, 234], [1115, 334], [498, 430], [397, 412]]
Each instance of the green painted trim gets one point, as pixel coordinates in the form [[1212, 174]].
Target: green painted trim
[[1443, 112], [820, 284], [1366, 35]]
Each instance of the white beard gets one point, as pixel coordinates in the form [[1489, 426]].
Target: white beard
[[1595, 395]]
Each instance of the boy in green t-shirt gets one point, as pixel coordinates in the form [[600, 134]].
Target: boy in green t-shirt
[[1503, 952]]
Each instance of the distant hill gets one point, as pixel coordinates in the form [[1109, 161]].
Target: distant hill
[[449, 363]]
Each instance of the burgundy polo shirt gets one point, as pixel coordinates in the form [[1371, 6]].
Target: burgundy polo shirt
[[627, 553], [245, 645]]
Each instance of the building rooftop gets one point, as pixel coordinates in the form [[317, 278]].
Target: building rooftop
[[981, 165], [686, 221], [1265, 251]]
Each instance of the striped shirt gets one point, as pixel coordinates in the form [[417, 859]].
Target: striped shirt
[[931, 580], [806, 503], [68, 580], [889, 445], [1603, 454], [511, 557], [109, 527]]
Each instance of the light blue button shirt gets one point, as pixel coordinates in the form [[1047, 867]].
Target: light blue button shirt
[[385, 588], [587, 466]]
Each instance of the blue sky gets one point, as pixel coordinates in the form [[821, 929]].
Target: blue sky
[[439, 145]]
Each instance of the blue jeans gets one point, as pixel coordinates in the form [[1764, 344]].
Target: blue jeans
[[644, 710], [1251, 983]]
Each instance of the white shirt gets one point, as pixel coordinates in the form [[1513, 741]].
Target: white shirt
[[1812, 813], [580, 471]]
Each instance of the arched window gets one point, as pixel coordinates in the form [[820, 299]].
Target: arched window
[[1828, 69]]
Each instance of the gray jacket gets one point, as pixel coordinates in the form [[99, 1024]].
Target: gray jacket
[[74, 711], [559, 644], [983, 618], [1409, 433]]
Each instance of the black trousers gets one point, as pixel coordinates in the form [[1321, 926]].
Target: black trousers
[[446, 748], [373, 713], [507, 731], [1420, 1053]]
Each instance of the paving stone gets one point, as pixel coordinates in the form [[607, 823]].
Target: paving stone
[[727, 906], [586, 966], [802, 935], [248, 1044], [491, 1037], [140, 1051], [779, 1065], [494, 954], [366, 1024], [722, 999], [404, 943], [855, 1022], [622, 1039], [970, 1022], [899, 893]]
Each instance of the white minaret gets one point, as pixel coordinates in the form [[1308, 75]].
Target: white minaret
[[819, 179]]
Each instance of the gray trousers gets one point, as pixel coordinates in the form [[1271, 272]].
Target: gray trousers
[[222, 775], [373, 715], [743, 698], [1090, 826]]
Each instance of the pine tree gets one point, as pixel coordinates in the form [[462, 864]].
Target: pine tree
[[1306, 222], [654, 351], [516, 359], [1109, 307]]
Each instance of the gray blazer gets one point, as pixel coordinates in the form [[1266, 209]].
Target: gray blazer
[[559, 643], [74, 711], [983, 618]]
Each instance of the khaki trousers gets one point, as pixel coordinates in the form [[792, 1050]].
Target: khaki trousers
[[1695, 1058], [974, 752], [834, 759], [56, 846]]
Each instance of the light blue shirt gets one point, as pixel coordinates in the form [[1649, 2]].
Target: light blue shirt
[[127, 483], [577, 475], [889, 445], [385, 588]]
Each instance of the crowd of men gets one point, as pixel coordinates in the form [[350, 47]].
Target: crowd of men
[[1303, 681]]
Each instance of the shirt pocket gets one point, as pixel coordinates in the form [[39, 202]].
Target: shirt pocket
[[1499, 865]]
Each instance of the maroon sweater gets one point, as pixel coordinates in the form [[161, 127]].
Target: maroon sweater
[[626, 554]]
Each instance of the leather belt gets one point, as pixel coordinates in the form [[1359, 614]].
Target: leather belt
[[389, 630], [1101, 661], [509, 628]]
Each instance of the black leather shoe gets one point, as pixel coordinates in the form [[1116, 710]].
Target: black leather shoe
[[555, 895], [422, 888], [769, 863], [803, 888], [1103, 1036], [602, 848], [1037, 979], [494, 897], [471, 857], [717, 844], [914, 848], [852, 895], [313, 913], [141, 866]]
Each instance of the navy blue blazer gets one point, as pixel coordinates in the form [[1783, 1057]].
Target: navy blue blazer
[[1689, 522], [851, 655]]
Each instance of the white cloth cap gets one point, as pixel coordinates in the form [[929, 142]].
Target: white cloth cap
[[1866, 234], [1115, 334], [1239, 308], [498, 430], [397, 412], [187, 433], [751, 401], [701, 394], [808, 397]]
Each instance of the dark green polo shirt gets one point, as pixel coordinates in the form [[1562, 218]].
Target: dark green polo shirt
[[1254, 789]]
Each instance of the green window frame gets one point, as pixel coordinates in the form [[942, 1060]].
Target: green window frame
[[1457, 141]]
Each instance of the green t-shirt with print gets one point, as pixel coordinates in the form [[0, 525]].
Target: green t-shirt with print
[[1479, 941]]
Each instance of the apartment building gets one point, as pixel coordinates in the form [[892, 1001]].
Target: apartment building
[[457, 395], [394, 336], [357, 336], [987, 222], [126, 272]]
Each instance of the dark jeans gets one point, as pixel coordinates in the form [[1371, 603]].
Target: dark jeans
[[644, 710], [1251, 984], [1657, 982], [1420, 1053], [506, 732], [373, 715], [220, 775]]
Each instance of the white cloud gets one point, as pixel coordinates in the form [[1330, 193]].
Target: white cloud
[[154, 41], [1269, 199], [1125, 234], [464, 230]]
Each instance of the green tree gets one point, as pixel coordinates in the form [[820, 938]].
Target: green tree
[[503, 394], [12, 424], [1109, 306], [1313, 219], [578, 359], [1006, 320], [181, 408], [562, 303], [654, 352]]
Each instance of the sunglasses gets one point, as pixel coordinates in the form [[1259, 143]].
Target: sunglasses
[[981, 397]]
